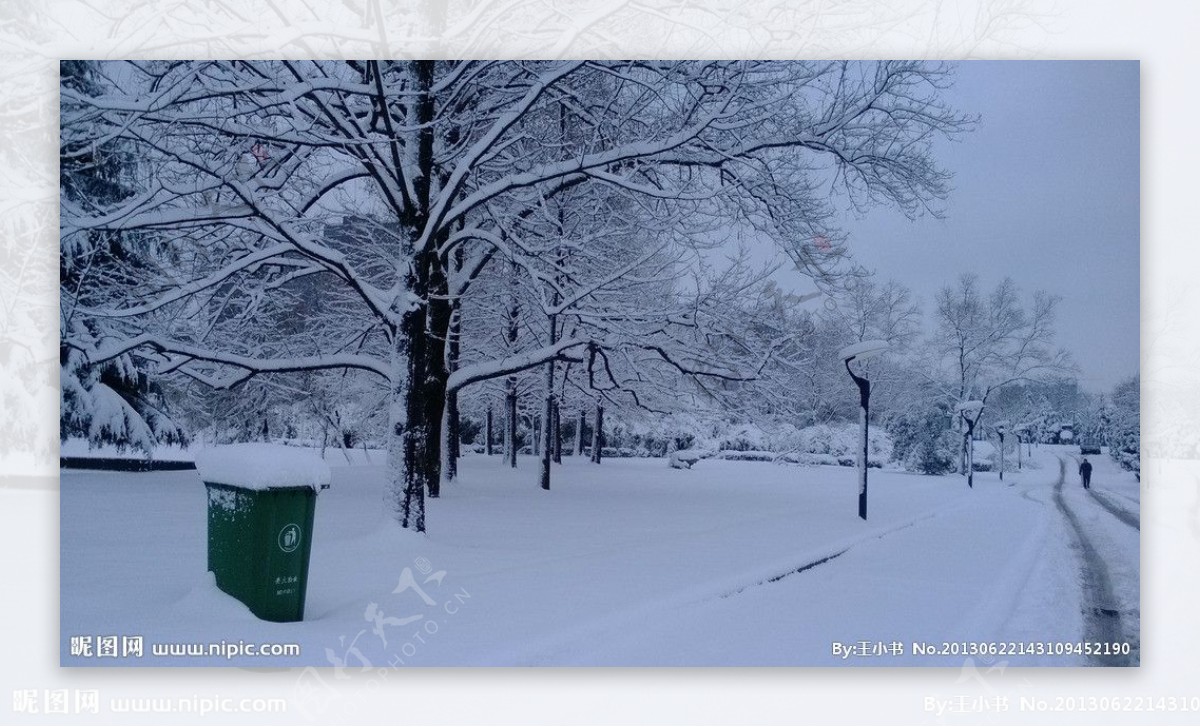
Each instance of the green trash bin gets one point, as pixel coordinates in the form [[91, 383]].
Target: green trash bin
[[261, 505]]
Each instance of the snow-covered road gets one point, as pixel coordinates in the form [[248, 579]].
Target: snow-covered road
[[1107, 537], [629, 562]]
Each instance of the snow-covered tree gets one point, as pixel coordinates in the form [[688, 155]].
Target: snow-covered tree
[[114, 401], [1124, 437], [427, 167], [985, 342]]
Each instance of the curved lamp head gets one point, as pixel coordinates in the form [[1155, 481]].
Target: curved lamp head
[[862, 350], [1002, 427]]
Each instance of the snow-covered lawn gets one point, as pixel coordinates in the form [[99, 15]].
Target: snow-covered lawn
[[628, 562]]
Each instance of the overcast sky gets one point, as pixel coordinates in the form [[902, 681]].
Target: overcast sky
[[1045, 191]]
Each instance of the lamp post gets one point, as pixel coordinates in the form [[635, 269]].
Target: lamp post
[[969, 411], [1001, 428], [859, 352]]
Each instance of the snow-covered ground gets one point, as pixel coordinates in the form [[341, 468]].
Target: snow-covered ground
[[628, 562]]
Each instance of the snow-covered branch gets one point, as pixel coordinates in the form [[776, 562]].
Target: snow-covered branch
[[249, 365]]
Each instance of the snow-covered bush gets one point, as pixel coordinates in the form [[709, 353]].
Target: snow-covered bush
[[744, 438], [835, 444], [934, 455], [810, 459], [683, 459], [746, 455], [842, 442], [921, 440], [917, 429], [620, 452]]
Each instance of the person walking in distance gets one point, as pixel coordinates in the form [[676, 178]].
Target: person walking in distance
[[1085, 473]]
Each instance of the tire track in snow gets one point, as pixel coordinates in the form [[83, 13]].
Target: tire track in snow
[[1115, 510], [1118, 512], [1102, 617]]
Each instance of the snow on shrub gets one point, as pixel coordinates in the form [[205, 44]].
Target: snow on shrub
[[746, 455], [810, 459], [744, 438], [683, 459], [935, 455], [842, 441], [834, 444]]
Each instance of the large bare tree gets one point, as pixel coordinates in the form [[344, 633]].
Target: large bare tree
[[987, 341], [394, 184]]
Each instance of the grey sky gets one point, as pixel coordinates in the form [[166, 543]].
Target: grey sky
[[1046, 190]]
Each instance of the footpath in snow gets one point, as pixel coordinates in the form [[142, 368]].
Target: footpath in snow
[[1105, 525]]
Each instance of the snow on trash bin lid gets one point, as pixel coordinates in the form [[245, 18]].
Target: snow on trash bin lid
[[257, 466]]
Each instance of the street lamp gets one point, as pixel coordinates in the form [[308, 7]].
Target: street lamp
[[859, 352], [969, 411], [1001, 427]]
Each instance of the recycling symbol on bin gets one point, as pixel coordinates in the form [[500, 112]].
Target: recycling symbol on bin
[[289, 537]]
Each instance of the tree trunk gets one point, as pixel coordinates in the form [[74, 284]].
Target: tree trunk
[[970, 454], [487, 433], [535, 427], [434, 388], [505, 438], [504, 431], [452, 441], [510, 398], [962, 454], [557, 430], [418, 393], [450, 437], [579, 426], [407, 424], [455, 433], [451, 430], [346, 442], [547, 450], [970, 463], [510, 423], [598, 435]]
